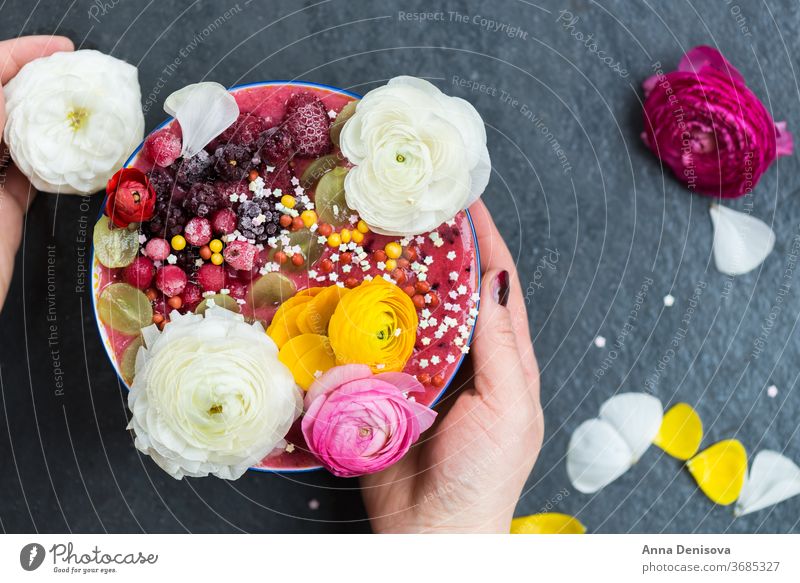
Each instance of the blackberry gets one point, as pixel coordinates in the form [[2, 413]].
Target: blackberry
[[233, 161], [194, 169], [162, 180], [247, 213], [187, 260], [202, 200], [168, 220]]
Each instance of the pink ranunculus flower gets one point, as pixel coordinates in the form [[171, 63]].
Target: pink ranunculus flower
[[358, 423], [709, 127]]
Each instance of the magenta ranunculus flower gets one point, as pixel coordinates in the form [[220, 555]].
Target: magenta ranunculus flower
[[358, 423], [704, 122]]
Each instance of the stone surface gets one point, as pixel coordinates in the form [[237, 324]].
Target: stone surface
[[601, 235]]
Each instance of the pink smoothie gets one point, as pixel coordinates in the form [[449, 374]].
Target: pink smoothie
[[447, 257]]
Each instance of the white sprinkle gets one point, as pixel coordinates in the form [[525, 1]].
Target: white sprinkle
[[225, 291], [298, 190], [317, 374], [772, 391], [270, 168], [313, 504], [462, 289], [422, 276], [450, 358], [171, 259], [600, 341], [142, 238], [453, 275], [289, 447], [234, 197], [435, 359], [425, 341], [428, 260], [381, 265], [295, 181], [669, 300], [332, 114], [451, 255], [423, 363], [198, 262], [346, 268]]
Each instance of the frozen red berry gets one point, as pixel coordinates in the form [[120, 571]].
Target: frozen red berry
[[171, 280], [162, 147], [308, 125], [240, 255], [140, 272], [157, 249], [279, 179], [224, 221], [277, 147], [211, 277], [197, 231], [191, 296], [238, 289]]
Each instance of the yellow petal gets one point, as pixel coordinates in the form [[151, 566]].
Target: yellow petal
[[547, 523], [306, 355], [284, 323], [317, 313], [681, 432], [720, 470]]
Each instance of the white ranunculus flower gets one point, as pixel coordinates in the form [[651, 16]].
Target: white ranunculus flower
[[420, 156], [73, 119], [210, 396]]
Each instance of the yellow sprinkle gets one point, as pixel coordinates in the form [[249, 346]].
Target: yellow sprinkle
[[288, 201], [178, 242], [358, 236], [393, 250], [215, 246], [720, 470], [334, 240], [308, 217], [345, 235], [362, 227], [681, 432], [216, 258], [391, 264], [547, 523]]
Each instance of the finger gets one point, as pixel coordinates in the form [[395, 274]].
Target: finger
[[496, 256], [16, 53], [500, 372], [17, 185]]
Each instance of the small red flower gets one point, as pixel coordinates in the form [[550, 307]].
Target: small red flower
[[131, 198]]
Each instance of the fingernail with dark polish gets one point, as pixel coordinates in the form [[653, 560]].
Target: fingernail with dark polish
[[500, 288]]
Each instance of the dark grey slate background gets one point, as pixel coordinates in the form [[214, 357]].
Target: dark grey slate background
[[614, 219]]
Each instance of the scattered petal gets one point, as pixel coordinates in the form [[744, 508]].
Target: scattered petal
[[681, 432], [547, 523], [636, 417], [773, 478], [720, 470], [203, 110], [597, 455], [741, 242]]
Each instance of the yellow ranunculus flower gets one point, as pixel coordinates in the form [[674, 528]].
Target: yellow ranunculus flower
[[374, 324]]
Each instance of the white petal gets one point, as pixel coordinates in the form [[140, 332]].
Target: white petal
[[636, 417], [741, 242], [203, 110], [597, 455], [773, 478]]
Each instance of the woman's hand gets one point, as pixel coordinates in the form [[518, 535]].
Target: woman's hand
[[16, 193], [468, 471]]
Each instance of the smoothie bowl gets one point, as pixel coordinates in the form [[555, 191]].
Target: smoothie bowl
[[218, 253]]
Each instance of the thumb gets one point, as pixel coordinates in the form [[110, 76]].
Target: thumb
[[499, 373]]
